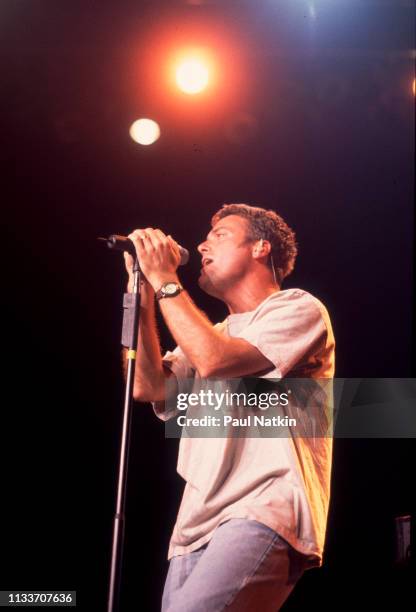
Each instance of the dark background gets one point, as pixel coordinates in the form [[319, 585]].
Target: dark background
[[312, 114]]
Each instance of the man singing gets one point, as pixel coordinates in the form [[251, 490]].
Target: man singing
[[254, 509]]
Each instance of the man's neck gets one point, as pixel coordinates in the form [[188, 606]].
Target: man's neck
[[247, 296]]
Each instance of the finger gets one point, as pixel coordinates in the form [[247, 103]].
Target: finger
[[161, 236], [174, 245], [161, 239], [156, 237], [139, 236], [151, 237], [128, 259], [172, 241]]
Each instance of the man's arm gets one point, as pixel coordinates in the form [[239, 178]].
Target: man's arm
[[210, 352]]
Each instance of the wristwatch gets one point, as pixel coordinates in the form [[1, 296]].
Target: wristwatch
[[169, 289]]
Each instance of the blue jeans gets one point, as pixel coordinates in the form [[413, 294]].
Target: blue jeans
[[245, 567]]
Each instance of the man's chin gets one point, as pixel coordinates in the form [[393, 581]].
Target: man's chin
[[203, 281], [206, 285]]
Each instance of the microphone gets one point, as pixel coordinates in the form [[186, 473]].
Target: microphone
[[122, 243]]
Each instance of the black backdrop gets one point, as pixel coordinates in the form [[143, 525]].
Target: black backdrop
[[314, 116]]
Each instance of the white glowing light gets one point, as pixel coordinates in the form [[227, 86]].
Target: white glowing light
[[192, 76], [145, 131]]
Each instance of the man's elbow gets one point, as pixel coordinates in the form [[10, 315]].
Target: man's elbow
[[210, 370], [146, 395], [153, 391], [141, 395]]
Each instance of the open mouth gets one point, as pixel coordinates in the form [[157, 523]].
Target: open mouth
[[206, 261]]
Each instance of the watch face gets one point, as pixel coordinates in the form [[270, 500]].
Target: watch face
[[170, 288]]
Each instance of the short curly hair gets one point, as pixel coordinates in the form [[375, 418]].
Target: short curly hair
[[266, 224]]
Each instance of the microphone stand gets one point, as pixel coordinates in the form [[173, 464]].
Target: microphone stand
[[131, 305]]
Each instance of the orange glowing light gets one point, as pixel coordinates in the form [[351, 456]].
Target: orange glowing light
[[192, 75]]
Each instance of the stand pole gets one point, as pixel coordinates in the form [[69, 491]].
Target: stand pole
[[131, 304]]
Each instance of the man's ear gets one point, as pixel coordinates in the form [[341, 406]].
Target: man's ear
[[262, 248]]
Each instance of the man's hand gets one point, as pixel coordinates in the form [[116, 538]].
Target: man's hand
[[158, 256]]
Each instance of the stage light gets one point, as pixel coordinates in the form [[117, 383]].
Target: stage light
[[145, 131], [192, 75]]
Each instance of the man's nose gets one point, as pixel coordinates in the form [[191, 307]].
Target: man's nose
[[203, 247]]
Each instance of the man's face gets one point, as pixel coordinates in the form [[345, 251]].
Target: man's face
[[226, 255]]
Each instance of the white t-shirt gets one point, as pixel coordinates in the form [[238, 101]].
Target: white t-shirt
[[283, 482]]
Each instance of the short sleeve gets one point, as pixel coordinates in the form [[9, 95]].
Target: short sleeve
[[179, 365], [288, 330]]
